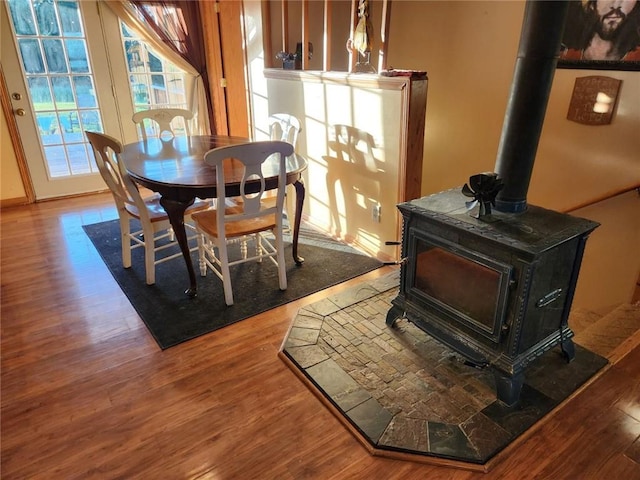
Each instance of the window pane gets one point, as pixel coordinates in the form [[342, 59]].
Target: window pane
[[71, 132], [22, 17], [85, 92], [54, 53], [40, 93], [91, 121], [62, 93], [70, 19], [124, 30], [159, 92], [31, 56], [48, 128], [139, 90], [78, 58], [135, 56], [47, 19], [176, 89], [78, 159], [155, 64], [57, 161]]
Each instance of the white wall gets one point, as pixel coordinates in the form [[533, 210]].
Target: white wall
[[343, 184]]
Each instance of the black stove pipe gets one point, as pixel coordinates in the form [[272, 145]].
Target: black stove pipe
[[540, 41]]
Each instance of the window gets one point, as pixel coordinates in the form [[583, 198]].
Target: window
[[155, 82]]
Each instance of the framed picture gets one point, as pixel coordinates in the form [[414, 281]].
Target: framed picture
[[602, 35]]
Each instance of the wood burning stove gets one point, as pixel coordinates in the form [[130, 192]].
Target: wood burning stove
[[496, 289]]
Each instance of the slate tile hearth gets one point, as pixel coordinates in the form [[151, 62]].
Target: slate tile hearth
[[403, 391]]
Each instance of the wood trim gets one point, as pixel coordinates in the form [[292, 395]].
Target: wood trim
[[16, 142], [417, 107], [226, 63], [355, 79], [266, 35], [326, 47], [305, 34], [352, 29], [384, 29], [627, 346], [213, 51], [603, 197], [14, 202], [234, 61], [284, 16]]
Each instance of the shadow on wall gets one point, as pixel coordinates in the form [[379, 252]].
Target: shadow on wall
[[352, 149]]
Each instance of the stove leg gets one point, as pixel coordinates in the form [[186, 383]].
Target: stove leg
[[508, 388], [568, 349], [393, 314]]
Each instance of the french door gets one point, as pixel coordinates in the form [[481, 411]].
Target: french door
[[66, 73]]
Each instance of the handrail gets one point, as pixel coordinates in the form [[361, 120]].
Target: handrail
[[603, 197]]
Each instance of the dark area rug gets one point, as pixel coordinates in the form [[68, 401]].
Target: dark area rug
[[172, 317], [408, 396]]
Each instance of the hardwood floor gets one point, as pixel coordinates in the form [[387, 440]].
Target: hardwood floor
[[86, 392]]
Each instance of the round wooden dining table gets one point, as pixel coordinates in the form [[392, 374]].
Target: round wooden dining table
[[175, 168]]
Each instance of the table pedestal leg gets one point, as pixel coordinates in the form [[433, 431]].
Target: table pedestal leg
[[300, 194], [175, 211]]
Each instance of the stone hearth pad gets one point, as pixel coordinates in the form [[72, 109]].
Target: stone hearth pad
[[403, 392]]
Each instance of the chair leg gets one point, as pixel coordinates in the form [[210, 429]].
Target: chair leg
[[224, 270], [285, 214], [243, 248], [125, 241], [258, 240], [202, 254], [282, 268], [149, 255]]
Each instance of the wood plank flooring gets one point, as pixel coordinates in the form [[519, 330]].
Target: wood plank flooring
[[86, 393]]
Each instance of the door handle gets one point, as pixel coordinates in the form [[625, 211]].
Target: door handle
[[20, 112]]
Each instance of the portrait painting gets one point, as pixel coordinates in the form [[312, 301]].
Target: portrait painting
[[602, 35]]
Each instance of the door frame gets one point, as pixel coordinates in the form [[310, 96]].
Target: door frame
[[16, 141]]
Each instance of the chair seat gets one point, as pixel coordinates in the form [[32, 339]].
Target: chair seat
[[207, 222]]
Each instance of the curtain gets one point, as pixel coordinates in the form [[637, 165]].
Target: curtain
[[173, 29]]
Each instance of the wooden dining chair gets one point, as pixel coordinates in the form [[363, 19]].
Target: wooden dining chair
[[285, 127], [160, 121], [155, 234], [247, 220]]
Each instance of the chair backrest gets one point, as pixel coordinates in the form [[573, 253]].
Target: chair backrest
[[249, 157], [163, 117], [284, 127], [125, 192]]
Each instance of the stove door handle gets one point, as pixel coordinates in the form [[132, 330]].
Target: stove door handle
[[549, 298], [397, 262]]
